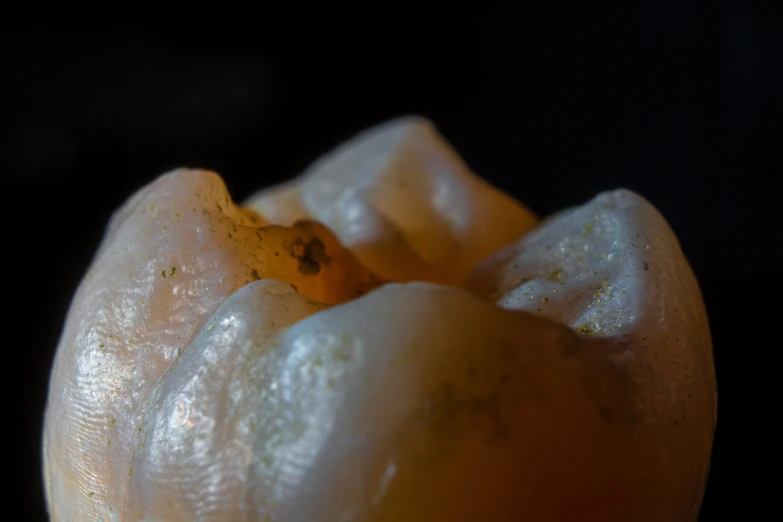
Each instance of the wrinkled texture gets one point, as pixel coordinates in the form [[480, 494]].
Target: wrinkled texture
[[216, 366], [171, 256]]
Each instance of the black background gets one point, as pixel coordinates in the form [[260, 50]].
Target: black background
[[678, 101]]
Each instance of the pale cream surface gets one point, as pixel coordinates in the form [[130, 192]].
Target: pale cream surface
[[220, 393], [404, 202]]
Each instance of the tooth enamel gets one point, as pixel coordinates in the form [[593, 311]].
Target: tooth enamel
[[404, 202], [170, 257], [422, 383], [204, 424], [213, 370]]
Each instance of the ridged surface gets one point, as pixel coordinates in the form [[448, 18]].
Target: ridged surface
[[214, 367], [404, 202]]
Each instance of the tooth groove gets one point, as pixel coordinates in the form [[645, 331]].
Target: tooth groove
[[571, 377]]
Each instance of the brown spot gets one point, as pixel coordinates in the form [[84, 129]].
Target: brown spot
[[254, 274], [585, 328], [587, 229], [310, 255]]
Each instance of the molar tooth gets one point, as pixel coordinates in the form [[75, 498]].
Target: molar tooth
[[214, 369]]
